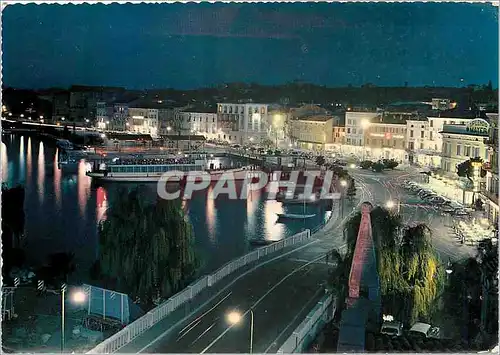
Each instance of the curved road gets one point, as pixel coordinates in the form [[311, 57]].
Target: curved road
[[282, 292]]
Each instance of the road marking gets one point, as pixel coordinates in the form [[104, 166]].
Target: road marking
[[187, 331], [224, 289], [260, 300], [306, 261], [331, 229], [204, 314], [202, 334]]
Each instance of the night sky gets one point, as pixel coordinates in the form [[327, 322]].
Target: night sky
[[193, 45]]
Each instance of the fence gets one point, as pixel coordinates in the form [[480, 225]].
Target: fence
[[136, 328], [321, 314]]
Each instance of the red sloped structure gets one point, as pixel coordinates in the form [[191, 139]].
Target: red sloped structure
[[364, 245]]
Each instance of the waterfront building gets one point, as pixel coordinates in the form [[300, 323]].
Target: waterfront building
[[201, 121], [312, 133], [461, 142], [385, 141], [355, 124], [242, 123], [489, 191], [143, 120]]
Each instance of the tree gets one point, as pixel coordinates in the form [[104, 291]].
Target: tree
[[366, 164], [378, 167], [390, 164], [351, 190], [409, 270], [466, 169], [147, 250], [12, 228], [320, 160]]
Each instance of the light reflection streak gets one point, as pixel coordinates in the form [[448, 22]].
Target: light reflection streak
[[253, 199], [102, 205], [41, 172], [57, 179], [29, 166], [273, 230], [21, 158], [4, 162], [83, 187], [211, 215]]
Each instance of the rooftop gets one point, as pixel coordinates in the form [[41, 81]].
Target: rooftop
[[315, 118]]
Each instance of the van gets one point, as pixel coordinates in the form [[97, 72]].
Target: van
[[393, 329], [424, 330]]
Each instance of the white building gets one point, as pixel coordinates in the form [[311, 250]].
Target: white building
[[464, 141], [355, 125], [243, 123], [204, 123], [102, 117], [143, 120]]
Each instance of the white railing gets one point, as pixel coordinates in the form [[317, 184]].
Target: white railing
[[322, 312], [139, 326]]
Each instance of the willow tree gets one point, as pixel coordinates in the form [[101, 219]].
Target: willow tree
[[410, 273], [146, 249]]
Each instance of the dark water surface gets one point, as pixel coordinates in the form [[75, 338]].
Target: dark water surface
[[63, 209]]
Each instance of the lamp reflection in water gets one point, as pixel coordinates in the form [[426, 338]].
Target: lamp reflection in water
[[102, 204], [57, 179], [211, 216], [21, 158], [253, 199], [272, 230], [83, 187], [41, 172], [29, 161], [4, 162]]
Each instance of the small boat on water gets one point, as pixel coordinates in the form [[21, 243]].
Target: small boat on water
[[294, 216]]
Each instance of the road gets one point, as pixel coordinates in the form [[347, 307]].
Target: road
[[282, 292]]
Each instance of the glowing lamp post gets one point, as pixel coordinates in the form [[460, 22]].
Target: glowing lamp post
[[76, 297], [234, 318], [391, 204]]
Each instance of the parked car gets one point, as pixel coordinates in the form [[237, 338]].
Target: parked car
[[424, 330], [393, 328]]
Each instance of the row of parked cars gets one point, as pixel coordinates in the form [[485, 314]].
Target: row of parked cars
[[429, 196]]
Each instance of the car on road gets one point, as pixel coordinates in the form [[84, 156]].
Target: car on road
[[424, 330], [392, 328]]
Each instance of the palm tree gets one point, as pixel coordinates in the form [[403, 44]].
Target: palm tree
[[147, 249]]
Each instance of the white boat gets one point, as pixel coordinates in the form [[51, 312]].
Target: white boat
[[153, 172], [295, 216]]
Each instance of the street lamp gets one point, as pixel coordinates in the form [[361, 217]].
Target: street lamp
[[391, 204], [62, 118], [235, 318], [77, 297], [344, 184], [169, 129]]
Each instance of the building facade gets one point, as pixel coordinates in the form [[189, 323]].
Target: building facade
[[385, 141], [313, 133], [204, 123], [242, 123], [355, 125], [462, 142], [490, 191], [143, 120]]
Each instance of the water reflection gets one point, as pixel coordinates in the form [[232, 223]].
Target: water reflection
[[102, 205], [21, 158], [4, 162], [273, 230], [211, 216], [57, 180], [29, 166], [41, 173], [253, 199], [83, 187]]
